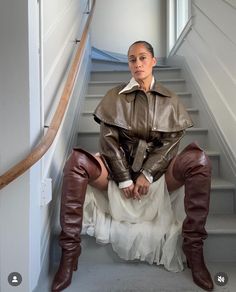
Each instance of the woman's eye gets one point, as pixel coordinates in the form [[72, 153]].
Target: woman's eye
[[142, 58], [132, 60]]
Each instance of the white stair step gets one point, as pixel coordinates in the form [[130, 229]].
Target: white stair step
[[189, 110], [125, 75], [186, 98], [92, 100], [221, 224], [87, 123], [222, 197], [89, 129], [220, 184], [101, 87], [193, 112], [89, 134], [196, 134], [129, 276], [218, 247], [98, 64], [215, 161], [221, 241]]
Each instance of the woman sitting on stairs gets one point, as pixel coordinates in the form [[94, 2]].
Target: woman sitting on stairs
[[141, 125]]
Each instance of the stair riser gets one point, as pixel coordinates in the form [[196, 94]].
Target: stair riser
[[87, 124], [220, 248], [125, 76], [98, 65], [103, 87], [91, 102], [199, 137], [215, 164], [214, 249], [195, 118], [186, 100], [90, 142], [87, 119], [222, 201]]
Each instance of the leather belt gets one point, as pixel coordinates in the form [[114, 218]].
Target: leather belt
[[140, 155]]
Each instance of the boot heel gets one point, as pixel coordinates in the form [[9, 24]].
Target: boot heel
[[188, 265], [75, 265]]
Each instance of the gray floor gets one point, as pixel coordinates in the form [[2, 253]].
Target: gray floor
[[100, 270]]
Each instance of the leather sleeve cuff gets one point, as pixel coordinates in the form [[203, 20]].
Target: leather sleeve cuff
[[125, 184], [148, 176], [119, 170]]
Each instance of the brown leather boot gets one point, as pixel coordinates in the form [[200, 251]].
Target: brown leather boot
[[80, 169], [193, 168]]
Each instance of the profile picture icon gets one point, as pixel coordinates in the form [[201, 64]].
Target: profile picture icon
[[14, 279]]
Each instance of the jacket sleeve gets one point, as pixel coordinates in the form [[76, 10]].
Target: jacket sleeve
[[159, 158], [112, 152]]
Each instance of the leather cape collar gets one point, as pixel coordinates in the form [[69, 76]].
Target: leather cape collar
[[133, 86]]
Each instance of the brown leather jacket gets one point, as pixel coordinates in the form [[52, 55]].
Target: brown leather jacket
[[140, 131]]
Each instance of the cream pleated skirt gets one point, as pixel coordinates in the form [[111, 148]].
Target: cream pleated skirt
[[148, 230]]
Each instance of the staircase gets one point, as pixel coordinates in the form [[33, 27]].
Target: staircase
[[100, 270], [108, 71]]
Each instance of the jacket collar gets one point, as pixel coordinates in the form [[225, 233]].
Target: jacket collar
[[156, 87]]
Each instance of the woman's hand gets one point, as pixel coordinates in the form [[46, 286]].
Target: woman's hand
[[141, 187], [128, 192]]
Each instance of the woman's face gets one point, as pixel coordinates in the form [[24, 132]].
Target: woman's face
[[141, 62]]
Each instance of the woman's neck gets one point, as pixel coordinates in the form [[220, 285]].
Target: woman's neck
[[145, 84]]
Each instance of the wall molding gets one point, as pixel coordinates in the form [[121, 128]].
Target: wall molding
[[60, 19], [199, 9], [74, 103], [231, 3], [61, 54], [182, 37], [53, 80]]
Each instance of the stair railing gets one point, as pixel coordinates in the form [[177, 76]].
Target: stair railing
[[46, 141]]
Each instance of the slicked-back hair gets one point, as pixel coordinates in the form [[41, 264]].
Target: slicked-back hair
[[147, 45]]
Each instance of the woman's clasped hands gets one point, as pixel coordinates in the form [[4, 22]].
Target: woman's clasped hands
[[138, 189]]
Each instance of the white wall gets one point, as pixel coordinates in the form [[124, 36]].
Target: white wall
[[19, 130], [62, 23], [117, 24], [25, 225], [210, 52]]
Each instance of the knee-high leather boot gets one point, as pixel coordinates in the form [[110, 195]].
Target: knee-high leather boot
[[193, 168], [80, 169]]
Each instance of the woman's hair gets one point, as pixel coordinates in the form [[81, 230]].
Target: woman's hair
[[145, 44]]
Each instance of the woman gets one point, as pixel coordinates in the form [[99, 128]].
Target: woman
[[141, 124]]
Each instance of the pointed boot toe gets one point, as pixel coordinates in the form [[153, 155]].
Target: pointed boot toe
[[203, 280], [64, 274]]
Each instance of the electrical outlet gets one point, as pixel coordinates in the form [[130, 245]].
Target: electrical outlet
[[46, 191]]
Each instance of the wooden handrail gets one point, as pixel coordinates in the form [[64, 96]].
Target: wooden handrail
[[37, 153]]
